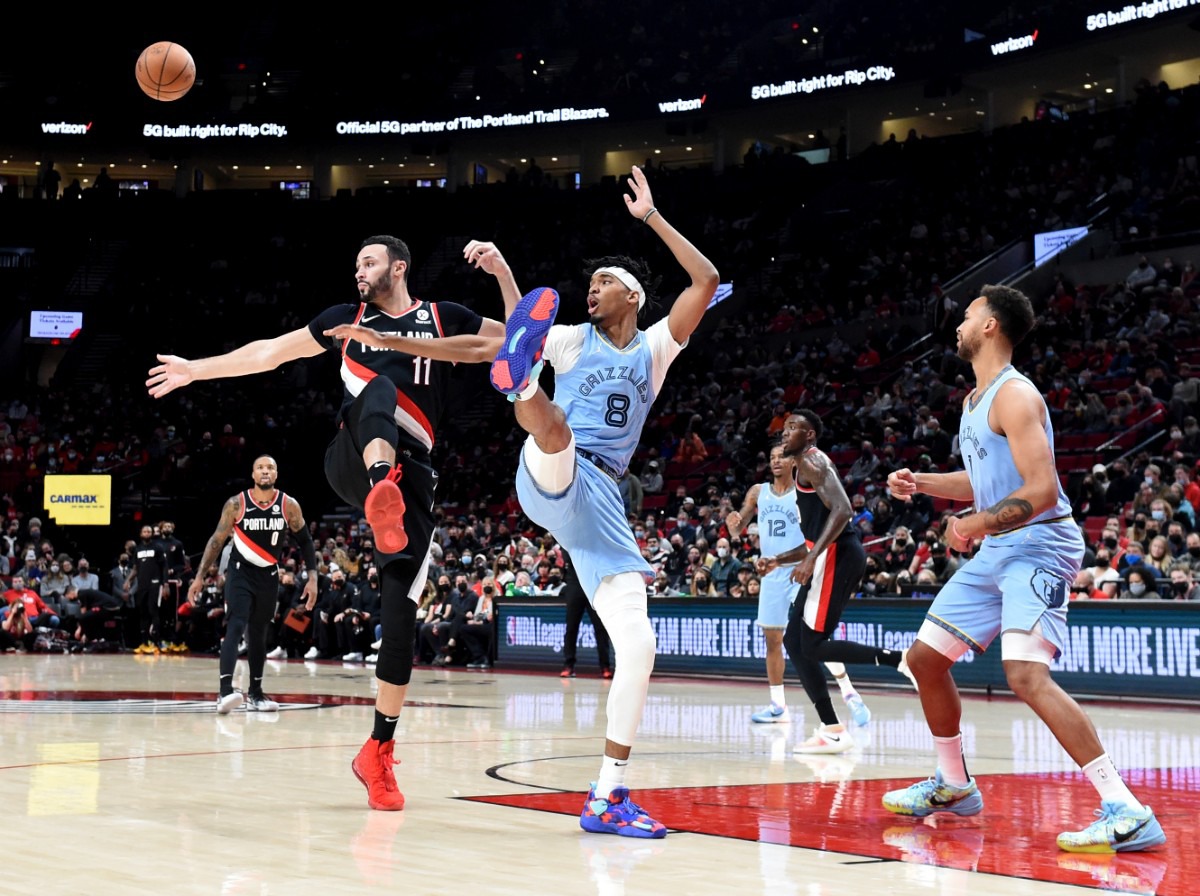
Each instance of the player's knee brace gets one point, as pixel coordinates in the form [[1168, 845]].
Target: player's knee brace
[[621, 602]]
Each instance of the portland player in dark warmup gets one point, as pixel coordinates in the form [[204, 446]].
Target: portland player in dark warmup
[[258, 520], [379, 460]]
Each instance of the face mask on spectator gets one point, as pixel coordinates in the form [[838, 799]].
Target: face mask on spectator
[[1194, 550], [1159, 515], [1179, 588], [722, 553], [1137, 589], [1110, 543], [1132, 557]]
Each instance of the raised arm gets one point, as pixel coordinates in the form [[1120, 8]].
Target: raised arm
[[487, 258], [254, 357], [689, 308]]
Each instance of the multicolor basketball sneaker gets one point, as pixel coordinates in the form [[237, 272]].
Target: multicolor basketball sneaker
[[934, 795], [618, 814], [1117, 828], [519, 360]]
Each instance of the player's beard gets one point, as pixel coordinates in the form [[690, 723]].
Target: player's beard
[[382, 286], [968, 348]]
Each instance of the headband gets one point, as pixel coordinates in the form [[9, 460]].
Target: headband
[[627, 280]]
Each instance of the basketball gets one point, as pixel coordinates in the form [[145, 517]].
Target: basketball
[[165, 71]]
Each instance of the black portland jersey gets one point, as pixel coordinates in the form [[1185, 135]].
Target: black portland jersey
[[260, 531], [422, 385], [151, 561], [814, 513]]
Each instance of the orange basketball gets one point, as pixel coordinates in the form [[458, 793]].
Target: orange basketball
[[165, 71]]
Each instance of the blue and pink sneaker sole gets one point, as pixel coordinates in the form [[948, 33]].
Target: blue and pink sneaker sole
[[519, 360]]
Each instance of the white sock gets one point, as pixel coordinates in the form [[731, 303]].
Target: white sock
[[950, 760], [528, 392], [1103, 774], [777, 695], [612, 776], [843, 680]]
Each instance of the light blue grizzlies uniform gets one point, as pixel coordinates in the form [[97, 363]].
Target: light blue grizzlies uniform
[[606, 394], [778, 531], [1018, 577]]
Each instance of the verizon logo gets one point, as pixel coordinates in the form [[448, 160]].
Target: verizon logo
[[682, 105], [1014, 43], [65, 127]]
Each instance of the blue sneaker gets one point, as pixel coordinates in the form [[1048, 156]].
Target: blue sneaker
[[1116, 829], [858, 710], [620, 815], [519, 360], [773, 713], [934, 795]]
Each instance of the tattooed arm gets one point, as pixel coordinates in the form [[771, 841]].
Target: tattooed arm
[[817, 471], [212, 550], [1017, 413]]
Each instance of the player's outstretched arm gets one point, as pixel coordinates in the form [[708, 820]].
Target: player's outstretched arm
[[956, 486], [254, 357], [689, 308], [487, 258], [462, 348]]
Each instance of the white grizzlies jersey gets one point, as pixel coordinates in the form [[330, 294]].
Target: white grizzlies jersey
[[988, 456], [778, 521], [605, 391]]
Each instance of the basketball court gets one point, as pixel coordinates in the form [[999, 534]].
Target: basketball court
[[119, 777]]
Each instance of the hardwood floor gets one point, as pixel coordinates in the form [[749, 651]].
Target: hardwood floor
[[119, 777]]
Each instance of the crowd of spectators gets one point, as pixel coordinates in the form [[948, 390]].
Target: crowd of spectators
[[854, 323]]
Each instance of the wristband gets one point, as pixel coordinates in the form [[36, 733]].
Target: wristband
[[954, 529], [648, 214]]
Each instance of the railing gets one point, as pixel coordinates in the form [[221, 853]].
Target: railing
[[1113, 442]]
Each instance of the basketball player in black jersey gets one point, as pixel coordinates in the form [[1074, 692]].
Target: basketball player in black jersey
[[829, 567], [258, 519], [379, 459]]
